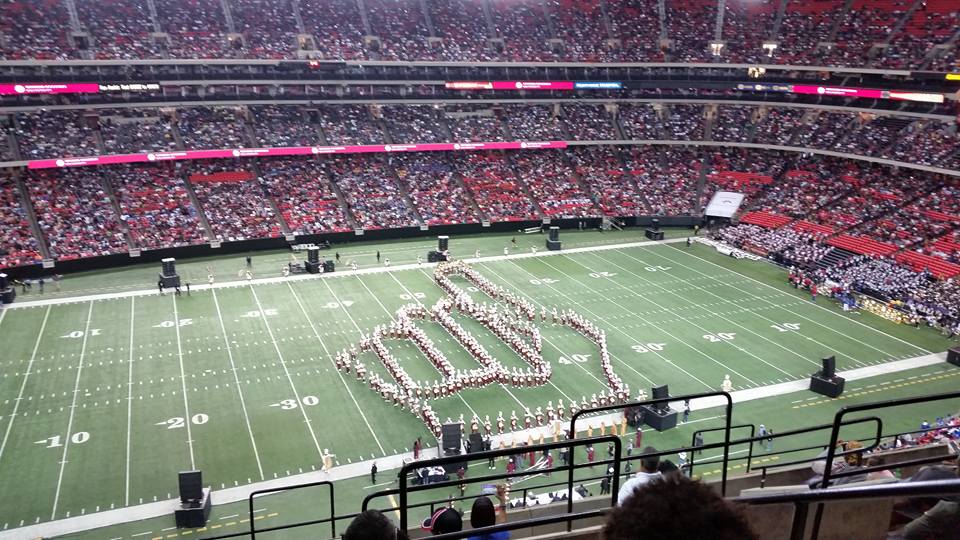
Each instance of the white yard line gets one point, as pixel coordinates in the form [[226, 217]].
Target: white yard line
[[630, 337], [283, 363], [326, 353], [73, 408], [834, 313], [339, 273], [662, 328], [552, 344], [357, 469], [715, 314], [126, 496], [236, 380], [755, 313], [183, 382], [23, 384]]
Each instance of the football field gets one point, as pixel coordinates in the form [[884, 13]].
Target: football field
[[103, 400]]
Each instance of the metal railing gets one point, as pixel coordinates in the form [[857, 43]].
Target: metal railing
[[802, 500]]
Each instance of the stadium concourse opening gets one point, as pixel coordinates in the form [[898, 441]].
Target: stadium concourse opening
[[265, 265]]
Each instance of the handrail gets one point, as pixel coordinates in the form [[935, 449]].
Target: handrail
[[404, 491], [618, 406], [874, 491]]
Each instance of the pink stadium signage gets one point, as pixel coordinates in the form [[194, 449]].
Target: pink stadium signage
[[52, 88], [288, 151]]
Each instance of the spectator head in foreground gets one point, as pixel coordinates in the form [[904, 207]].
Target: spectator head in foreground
[[484, 514], [676, 508], [444, 520], [649, 464], [372, 525]]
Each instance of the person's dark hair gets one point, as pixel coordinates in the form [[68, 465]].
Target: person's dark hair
[[649, 462], [667, 467], [483, 513], [371, 525], [444, 520], [676, 508]]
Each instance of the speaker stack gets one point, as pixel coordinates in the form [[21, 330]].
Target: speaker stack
[[168, 273], [653, 232], [660, 416], [553, 238], [328, 266], [7, 293], [442, 252], [313, 260], [953, 355], [826, 382], [450, 443]]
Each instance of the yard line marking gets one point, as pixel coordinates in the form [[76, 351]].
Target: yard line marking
[[133, 301], [339, 373], [665, 289], [23, 385], [73, 407], [236, 380], [756, 297], [632, 338], [816, 305], [183, 381], [283, 364], [390, 314], [552, 344]]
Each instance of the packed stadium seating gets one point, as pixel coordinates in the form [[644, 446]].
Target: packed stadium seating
[[233, 201], [532, 30], [19, 247], [75, 213], [155, 206]]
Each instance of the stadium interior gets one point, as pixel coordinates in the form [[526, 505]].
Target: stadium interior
[[466, 268]]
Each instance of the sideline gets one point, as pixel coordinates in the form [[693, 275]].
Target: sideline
[[339, 273]]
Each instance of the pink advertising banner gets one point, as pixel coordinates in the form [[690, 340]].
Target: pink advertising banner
[[51, 88], [287, 151]]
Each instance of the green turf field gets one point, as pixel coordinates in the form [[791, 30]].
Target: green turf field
[[103, 401]]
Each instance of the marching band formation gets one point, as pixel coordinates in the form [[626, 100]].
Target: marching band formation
[[514, 322]]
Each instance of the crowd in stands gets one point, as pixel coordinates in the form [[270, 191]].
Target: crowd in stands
[[51, 134], [335, 26], [212, 127], [272, 40], [589, 122], [491, 180], [479, 124], [414, 124], [666, 177], [533, 123], [685, 123], [75, 213], [18, 247], [284, 126], [350, 124], [778, 125], [532, 30], [429, 179], [610, 186], [463, 27], [641, 121], [303, 195], [734, 123], [233, 201], [371, 194], [122, 28], [131, 131], [553, 184], [155, 206], [196, 29]]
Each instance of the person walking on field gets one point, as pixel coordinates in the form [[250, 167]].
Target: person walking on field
[[373, 473]]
